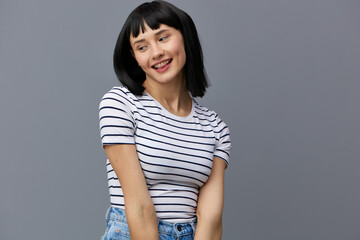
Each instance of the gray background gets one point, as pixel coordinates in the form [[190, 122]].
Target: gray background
[[285, 77]]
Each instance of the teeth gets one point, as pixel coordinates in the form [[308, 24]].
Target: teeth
[[159, 65]]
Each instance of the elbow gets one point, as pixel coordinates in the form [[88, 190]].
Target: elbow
[[141, 210], [148, 210], [213, 218]]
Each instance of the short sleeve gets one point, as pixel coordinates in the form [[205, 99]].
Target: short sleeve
[[223, 142], [116, 119]]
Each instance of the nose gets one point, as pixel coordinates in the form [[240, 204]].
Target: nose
[[157, 51]]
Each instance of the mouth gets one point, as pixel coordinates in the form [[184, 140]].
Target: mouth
[[162, 64]]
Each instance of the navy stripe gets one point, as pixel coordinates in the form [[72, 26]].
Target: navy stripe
[[117, 204], [172, 174], [123, 96], [223, 151], [166, 150], [110, 107], [116, 195], [174, 184], [115, 135], [186, 169], [140, 108], [115, 143], [221, 130], [172, 125], [169, 190], [109, 116], [113, 178], [177, 133], [174, 159], [225, 135], [117, 100], [147, 130], [174, 212], [201, 108], [145, 99], [192, 144], [174, 197], [196, 149], [203, 114], [205, 119], [116, 126], [197, 105], [168, 218], [173, 204]]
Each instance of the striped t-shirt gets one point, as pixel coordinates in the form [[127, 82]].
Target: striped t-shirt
[[175, 153]]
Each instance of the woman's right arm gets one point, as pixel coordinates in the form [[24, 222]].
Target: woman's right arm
[[139, 208]]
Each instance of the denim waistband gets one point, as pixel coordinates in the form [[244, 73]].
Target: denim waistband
[[176, 229]]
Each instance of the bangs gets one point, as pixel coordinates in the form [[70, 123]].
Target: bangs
[[153, 14]]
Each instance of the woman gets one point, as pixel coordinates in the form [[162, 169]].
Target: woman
[[166, 153]]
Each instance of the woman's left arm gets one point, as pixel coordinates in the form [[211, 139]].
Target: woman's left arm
[[210, 204]]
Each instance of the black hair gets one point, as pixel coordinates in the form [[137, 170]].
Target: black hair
[[155, 13]]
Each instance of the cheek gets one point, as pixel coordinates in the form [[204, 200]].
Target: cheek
[[182, 55], [181, 51], [140, 60]]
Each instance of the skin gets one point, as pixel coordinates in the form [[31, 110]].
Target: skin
[[140, 211], [210, 204], [167, 87]]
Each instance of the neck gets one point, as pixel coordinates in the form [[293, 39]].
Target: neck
[[172, 95]]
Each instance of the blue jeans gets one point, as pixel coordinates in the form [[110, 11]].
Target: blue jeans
[[117, 227]]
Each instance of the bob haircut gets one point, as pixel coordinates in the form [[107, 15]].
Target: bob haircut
[[155, 13]]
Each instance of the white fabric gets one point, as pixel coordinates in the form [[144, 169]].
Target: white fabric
[[175, 153]]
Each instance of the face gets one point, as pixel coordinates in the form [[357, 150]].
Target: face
[[160, 53]]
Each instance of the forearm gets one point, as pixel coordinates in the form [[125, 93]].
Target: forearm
[[210, 204], [139, 208], [208, 228], [142, 223]]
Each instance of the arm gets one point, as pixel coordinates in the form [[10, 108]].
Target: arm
[[210, 204], [139, 208]]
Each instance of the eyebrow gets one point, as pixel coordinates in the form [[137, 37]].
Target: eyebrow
[[156, 34]]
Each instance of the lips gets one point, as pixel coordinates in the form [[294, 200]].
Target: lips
[[162, 64]]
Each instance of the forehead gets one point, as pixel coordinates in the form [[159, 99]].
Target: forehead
[[148, 32]]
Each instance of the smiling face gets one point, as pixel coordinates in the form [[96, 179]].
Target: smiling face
[[160, 53]]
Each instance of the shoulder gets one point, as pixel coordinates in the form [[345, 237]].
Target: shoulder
[[204, 112], [211, 117], [119, 95], [220, 130], [208, 114], [119, 92]]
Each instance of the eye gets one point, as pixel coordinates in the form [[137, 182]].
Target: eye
[[141, 48], [163, 38]]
